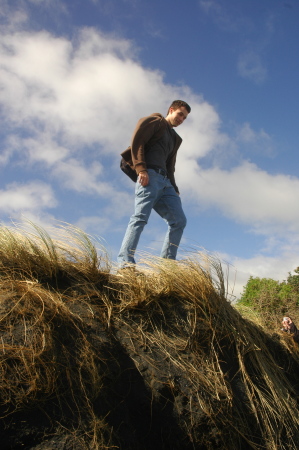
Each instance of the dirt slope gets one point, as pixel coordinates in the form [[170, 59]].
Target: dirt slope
[[159, 360]]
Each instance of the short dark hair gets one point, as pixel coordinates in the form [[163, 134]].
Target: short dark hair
[[177, 104]]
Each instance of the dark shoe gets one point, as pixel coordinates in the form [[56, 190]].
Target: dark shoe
[[129, 271], [126, 270]]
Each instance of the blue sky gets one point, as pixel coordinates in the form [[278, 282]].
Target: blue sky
[[75, 76]]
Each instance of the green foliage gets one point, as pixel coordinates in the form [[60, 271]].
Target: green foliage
[[271, 299], [258, 289], [286, 292], [293, 280]]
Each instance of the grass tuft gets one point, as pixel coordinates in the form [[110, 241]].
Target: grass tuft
[[156, 357]]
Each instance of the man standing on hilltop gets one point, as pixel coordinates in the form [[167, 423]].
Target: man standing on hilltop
[[152, 155]]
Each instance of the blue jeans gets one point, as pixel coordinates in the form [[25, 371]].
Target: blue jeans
[[161, 196]]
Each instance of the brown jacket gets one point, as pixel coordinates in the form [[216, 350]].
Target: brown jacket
[[149, 130]]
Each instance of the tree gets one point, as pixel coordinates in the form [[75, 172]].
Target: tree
[[259, 291], [271, 300], [293, 280]]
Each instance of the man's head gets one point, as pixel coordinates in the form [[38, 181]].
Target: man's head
[[286, 322], [177, 113]]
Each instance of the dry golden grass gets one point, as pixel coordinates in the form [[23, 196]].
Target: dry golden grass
[[67, 326], [183, 313], [42, 342]]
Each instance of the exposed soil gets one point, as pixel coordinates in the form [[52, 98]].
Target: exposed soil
[[132, 394]]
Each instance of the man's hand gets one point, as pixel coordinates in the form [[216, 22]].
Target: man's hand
[[143, 178], [286, 322]]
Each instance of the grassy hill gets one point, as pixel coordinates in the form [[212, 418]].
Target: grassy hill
[[156, 359]]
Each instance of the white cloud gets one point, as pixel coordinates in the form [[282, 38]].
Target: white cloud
[[12, 16], [226, 19], [248, 135], [76, 177], [42, 149], [20, 198], [201, 131], [254, 142], [85, 92], [275, 267], [247, 194], [85, 97], [95, 225], [70, 108], [250, 66]]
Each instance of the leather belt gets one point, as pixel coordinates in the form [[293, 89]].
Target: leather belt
[[158, 170]]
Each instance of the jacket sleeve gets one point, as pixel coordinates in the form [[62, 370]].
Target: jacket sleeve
[[144, 131]]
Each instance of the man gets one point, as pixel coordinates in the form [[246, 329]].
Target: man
[[153, 155], [290, 327]]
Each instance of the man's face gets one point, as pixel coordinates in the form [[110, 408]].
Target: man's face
[[176, 116]]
